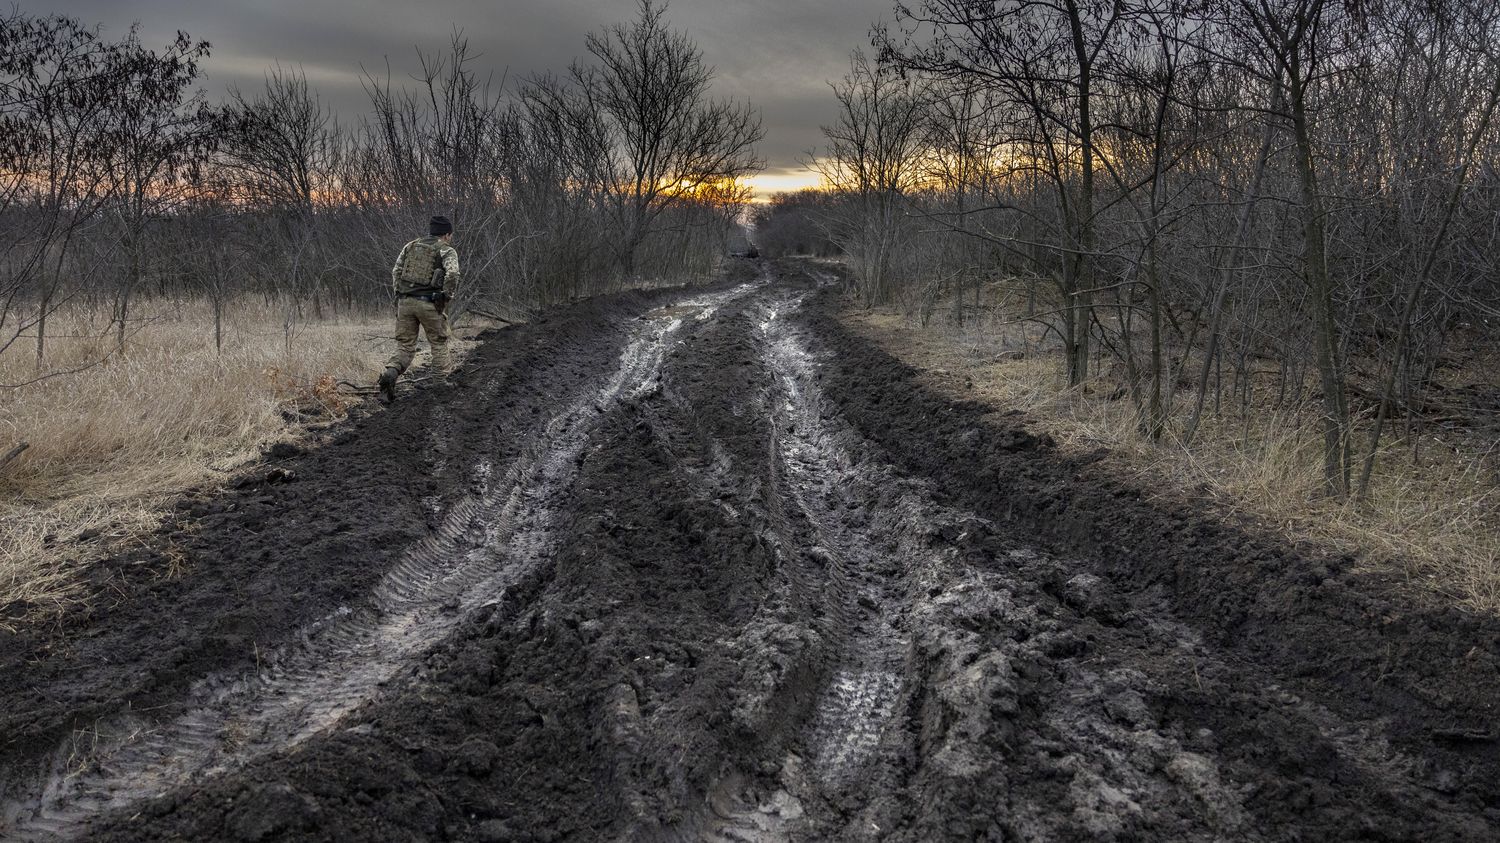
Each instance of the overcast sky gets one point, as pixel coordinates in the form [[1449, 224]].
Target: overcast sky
[[778, 54]]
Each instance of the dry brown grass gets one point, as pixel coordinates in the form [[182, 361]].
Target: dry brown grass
[[113, 445], [1431, 514]]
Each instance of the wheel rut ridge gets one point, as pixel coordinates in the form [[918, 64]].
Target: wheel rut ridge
[[734, 479], [1314, 688], [870, 534], [708, 418], [820, 475], [483, 544]]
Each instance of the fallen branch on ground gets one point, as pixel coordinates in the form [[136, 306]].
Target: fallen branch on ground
[[357, 389], [486, 314], [13, 453], [50, 375]]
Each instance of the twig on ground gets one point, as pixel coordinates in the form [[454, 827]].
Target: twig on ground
[[488, 315], [13, 453], [50, 375], [357, 389]]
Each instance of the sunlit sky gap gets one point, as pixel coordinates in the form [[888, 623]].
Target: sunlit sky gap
[[778, 54]]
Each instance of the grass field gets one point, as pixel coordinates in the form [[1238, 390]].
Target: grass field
[[112, 445]]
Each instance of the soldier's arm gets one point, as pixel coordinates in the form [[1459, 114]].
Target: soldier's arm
[[396, 269], [451, 274]]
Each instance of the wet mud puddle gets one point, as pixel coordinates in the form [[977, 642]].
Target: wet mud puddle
[[483, 544]]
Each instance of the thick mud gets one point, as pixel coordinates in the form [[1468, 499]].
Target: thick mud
[[702, 565]]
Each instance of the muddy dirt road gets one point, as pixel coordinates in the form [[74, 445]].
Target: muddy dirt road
[[701, 565]]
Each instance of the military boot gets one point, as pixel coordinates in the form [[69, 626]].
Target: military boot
[[388, 384]]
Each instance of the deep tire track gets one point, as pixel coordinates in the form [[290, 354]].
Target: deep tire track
[[888, 549], [992, 665], [486, 542], [240, 570]]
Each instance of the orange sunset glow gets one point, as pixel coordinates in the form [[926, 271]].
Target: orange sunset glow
[[768, 184]]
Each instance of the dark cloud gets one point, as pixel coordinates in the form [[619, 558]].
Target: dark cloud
[[778, 54]]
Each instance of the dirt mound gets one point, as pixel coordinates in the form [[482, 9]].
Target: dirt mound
[[1424, 677]]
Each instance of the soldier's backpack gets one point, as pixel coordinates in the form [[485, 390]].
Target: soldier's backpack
[[421, 264]]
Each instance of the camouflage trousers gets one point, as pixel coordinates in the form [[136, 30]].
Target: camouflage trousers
[[412, 314]]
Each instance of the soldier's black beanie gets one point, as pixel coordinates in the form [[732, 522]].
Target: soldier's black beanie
[[438, 226]]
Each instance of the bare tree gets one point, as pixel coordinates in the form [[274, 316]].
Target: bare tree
[[1043, 58], [1457, 46], [1293, 200], [669, 143], [873, 158], [89, 125], [281, 142], [1297, 46], [156, 134], [52, 94], [1152, 121], [278, 153]]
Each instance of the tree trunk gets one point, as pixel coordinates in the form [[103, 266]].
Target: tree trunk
[[1082, 305], [1226, 277], [1156, 415], [1328, 341], [41, 332]]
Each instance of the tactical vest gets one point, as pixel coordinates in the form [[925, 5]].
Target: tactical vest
[[422, 264]]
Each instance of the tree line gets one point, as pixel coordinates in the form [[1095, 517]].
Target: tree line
[[1222, 198], [120, 179]]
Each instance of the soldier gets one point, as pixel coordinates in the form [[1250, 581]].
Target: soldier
[[424, 277]]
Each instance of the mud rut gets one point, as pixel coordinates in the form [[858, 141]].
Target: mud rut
[[700, 604]]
